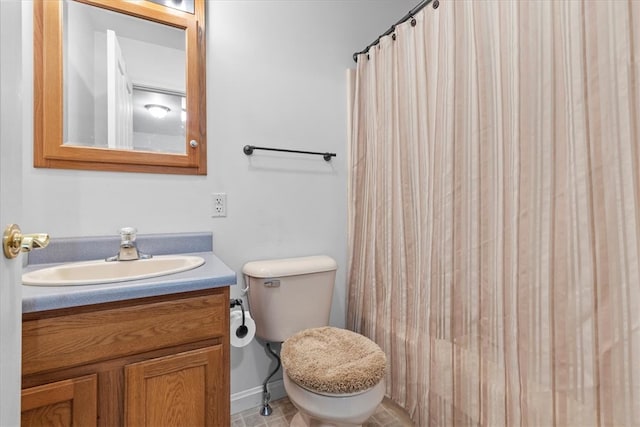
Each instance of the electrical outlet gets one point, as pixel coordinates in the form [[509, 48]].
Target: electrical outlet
[[219, 202]]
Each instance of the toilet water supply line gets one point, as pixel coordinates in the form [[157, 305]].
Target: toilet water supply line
[[241, 332], [266, 396]]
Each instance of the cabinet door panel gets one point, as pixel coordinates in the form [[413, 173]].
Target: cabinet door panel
[[64, 403], [176, 390]]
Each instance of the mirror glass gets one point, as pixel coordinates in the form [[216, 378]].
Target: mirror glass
[[125, 83], [186, 5]]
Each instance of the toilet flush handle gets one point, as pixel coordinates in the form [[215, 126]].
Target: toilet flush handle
[[272, 283]]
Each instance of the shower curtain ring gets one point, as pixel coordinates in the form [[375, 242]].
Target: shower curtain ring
[[436, 3]]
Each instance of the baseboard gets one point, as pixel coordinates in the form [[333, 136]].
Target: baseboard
[[252, 398]]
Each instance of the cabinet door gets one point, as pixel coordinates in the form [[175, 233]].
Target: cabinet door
[[64, 403], [185, 389]]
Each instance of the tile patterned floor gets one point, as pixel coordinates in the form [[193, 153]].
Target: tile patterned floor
[[388, 414]]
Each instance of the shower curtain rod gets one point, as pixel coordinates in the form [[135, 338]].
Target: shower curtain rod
[[409, 15]]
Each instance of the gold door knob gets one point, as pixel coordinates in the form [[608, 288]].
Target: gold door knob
[[14, 242]]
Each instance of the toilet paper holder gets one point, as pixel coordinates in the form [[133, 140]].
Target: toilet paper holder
[[242, 330]]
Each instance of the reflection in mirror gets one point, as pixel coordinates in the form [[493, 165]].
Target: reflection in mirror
[[159, 117], [186, 5], [116, 65]]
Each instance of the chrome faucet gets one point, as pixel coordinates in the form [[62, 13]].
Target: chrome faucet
[[128, 249]]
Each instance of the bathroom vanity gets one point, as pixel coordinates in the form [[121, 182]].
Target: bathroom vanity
[[140, 353]]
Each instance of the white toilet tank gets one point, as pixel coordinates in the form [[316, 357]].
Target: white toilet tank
[[289, 295]]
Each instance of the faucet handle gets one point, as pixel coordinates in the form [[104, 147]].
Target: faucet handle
[[128, 233]]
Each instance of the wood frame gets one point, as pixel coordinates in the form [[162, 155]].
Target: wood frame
[[49, 151]]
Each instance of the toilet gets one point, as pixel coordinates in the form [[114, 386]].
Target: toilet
[[333, 376]]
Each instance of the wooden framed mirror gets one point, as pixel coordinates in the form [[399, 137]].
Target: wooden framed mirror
[[120, 86]]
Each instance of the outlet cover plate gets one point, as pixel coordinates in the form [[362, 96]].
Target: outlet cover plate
[[219, 204]]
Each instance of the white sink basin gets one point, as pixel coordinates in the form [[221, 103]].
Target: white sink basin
[[101, 271]]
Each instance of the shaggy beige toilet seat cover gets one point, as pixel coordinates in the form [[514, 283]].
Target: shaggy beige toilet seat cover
[[333, 360]]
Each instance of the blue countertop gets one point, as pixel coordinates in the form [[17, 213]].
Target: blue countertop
[[212, 274]]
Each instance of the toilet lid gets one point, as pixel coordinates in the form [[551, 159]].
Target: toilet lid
[[333, 360]]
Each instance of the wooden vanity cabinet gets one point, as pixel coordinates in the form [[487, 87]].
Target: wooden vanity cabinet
[[159, 361]]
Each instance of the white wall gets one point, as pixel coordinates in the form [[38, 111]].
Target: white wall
[[276, 77]]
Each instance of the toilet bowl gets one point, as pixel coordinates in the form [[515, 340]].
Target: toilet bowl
[[332, 410], [334, 377]]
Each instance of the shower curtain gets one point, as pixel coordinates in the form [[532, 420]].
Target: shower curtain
[[494, 212]]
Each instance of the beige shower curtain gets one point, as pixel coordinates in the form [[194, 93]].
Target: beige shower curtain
[[495, 212]]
